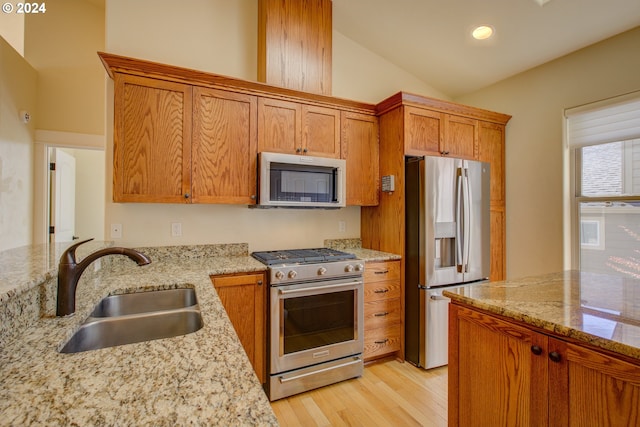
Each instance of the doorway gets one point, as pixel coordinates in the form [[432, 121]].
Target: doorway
[[69, 198]]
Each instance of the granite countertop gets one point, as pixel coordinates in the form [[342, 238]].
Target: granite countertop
[[203, 378], [600, 310]]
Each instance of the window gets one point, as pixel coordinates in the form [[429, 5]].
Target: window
[[604, 140]]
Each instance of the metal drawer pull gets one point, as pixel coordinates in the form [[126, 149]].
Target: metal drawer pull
[[381, 314], [297, 377], [381, 272], [384, 341], [381, 291]]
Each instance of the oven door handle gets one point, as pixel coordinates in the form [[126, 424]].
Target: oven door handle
[[284, 379], [346, 286]]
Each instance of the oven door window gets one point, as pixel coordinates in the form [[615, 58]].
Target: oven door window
[[318, 320]]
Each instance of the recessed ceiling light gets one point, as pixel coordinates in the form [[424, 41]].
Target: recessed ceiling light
[[482, 32]]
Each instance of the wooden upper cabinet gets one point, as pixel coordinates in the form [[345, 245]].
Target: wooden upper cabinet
[[423, 131], [152, 140], [293, 128], [360, 149], [433, 133], [320, 131], [279, 126], [460, 137], [175, 143], [224, 147], [294, 44]]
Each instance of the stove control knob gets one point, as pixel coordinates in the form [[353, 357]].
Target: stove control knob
[[292, 274], [279, 275], [321, 271], [359, 267], [348, 268]]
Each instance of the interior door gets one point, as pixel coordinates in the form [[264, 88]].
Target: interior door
[[62, 184]]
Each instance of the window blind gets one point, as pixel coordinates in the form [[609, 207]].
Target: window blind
[[611, 120]]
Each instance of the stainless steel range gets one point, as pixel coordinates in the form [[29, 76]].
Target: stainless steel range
[[316, 319]]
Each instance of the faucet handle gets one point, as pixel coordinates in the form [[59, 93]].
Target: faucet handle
[[69, 255]]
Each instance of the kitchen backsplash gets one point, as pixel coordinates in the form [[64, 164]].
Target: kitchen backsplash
[[342, 244]]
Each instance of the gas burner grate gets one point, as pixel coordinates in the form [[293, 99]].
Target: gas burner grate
[[301, 256]]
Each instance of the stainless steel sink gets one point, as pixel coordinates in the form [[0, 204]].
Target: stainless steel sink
[[137, 317], [144, 302]]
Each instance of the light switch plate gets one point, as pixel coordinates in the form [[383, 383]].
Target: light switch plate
[[176, 229]]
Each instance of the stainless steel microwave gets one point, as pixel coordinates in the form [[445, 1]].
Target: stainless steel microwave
[[287, 180]]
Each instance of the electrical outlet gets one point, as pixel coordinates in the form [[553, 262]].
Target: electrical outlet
[[116, 231], [342, 226], [176, 229]]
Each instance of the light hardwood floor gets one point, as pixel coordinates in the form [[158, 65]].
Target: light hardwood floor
[[389, 393]]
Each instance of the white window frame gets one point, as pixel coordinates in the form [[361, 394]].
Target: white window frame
[[618, 129]]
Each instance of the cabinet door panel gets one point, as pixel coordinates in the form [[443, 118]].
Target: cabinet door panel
[[495, 379], [244, 299], [592, 389], [497, 257], [224, 147], [491, 150], [320, 131], [424, 131], [361, 151], [279, 126], [461, 137], [152, 140]]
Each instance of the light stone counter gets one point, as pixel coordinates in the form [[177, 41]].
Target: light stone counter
[[203, 378], [600, 310], [354, 246]]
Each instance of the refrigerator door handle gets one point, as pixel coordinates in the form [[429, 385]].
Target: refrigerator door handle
[[467, 220], [459, 221]]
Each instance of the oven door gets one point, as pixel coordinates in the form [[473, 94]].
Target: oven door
[[315, 322]]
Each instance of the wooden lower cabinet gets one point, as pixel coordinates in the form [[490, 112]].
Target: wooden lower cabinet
[[382, 310], [244, 298], [505, 374]]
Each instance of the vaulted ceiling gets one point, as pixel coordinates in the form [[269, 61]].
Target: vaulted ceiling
[[431, 38]]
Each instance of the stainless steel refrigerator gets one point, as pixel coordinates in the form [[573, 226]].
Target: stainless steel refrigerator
[[447, 245]]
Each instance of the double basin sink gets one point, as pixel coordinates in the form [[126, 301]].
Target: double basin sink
[[137, 317]]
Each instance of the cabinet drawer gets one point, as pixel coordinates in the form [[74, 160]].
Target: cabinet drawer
[[381, 290], [381, 341], [381, 271], [381, 313]]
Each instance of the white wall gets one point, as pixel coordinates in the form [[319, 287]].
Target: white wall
[[62, 45], [17, 92], [220, 36], [534, 152], [90, 183]]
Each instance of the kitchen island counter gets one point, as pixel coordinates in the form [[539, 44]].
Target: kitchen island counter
[[598, 310], [203, 378]]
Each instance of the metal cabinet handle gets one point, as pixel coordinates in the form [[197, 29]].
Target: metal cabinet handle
[[384, 341], [381, 272], [259, 282], [386, 313], [381, 291], [555, 356], [536, 349], [187, 195]]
